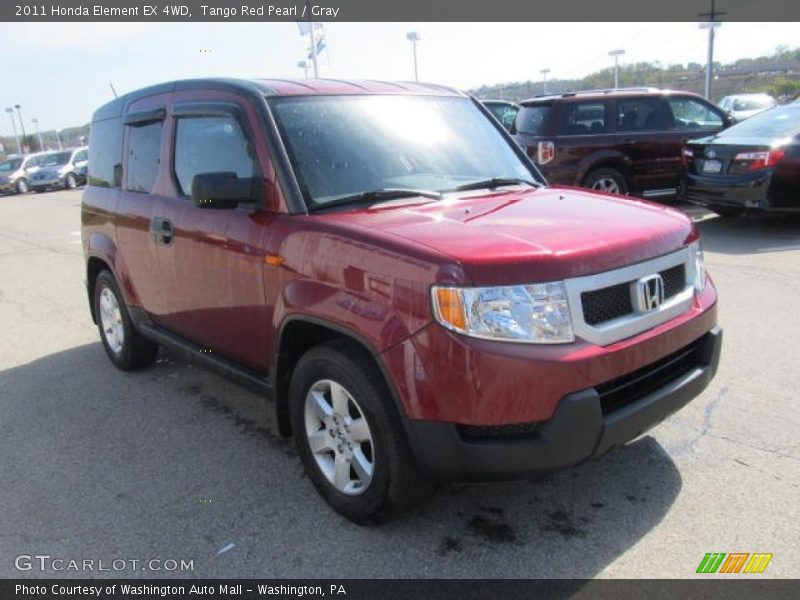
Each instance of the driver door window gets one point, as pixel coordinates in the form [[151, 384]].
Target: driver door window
[[691, 114], [211, 145]]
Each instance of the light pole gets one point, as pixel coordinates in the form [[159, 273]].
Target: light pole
[[58, 139], [21, 124], [414, 37], [38, 134], [303, 65], [711, 25], [616, 54], [544, 73], [10, 112]]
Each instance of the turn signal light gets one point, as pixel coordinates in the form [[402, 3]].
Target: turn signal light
[[450, 307]]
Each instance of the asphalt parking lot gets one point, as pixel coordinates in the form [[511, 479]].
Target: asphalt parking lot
[[177, 463]]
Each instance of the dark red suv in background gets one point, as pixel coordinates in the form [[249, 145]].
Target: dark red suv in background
[[625, 141], [386, 264]]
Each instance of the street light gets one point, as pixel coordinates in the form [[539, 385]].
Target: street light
[[38, 134], [414, 37], [10, 112], [303, 65], [616, 54], [58, 139], [544, 73]]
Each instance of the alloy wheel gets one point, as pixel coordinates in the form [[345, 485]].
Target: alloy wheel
[[111, 321], [339, 437]]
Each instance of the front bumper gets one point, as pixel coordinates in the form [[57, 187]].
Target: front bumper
[[584, 425]]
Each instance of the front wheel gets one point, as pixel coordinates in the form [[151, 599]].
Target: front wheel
[[125, 346], [70, 181], [349, 436], [606, 180], [22, 186]]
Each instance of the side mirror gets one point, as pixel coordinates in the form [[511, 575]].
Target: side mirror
[[225, 190]]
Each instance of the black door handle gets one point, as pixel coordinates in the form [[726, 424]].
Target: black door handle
[[162, 231]]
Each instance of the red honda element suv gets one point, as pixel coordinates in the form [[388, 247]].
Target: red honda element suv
[[385, 264]]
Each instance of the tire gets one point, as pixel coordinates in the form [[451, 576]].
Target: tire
[[606, 180], [21, 186], [70, 182], [125, 346], [393, 483], [728, 213]]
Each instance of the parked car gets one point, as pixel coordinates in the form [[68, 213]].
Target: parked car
[[386, 264], [504, 111], [625, 141], [15, 173], [63, 169], [753, 167], [743, 106]]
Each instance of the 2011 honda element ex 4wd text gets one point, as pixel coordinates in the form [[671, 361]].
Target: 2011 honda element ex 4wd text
[[385, 263]]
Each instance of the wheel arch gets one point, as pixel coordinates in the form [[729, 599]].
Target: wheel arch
[[297, 335], [612, 159]]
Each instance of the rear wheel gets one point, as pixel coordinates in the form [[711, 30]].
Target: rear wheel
[[606, 180], [125, 346], [22, 186], [349, 435]]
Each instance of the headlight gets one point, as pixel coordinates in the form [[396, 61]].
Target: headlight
[[536, 313], [699, 266]]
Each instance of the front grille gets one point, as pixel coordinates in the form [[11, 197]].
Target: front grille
[[614, 301], [496, 432], [608, 303], [674, 280], [620, 392]]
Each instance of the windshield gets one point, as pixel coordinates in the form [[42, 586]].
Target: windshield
[[753, 103], [54, 159], [778, 122], [10, 165], [342, 146], [530, 119]]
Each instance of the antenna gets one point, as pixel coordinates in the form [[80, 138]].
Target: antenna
[[113, 90]]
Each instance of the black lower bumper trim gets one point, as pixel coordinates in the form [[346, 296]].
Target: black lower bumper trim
[[577, 431]]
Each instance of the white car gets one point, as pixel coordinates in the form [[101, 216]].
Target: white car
[[743, 106]]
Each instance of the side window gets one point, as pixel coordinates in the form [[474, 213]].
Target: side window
[[144, 150], [80, 156], [643, 114], [32, 162], [691, 113], [105, 153], [583, 118], [211, 145]]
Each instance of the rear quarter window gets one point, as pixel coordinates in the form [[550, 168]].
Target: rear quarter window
[[532, 119], [105, 152]]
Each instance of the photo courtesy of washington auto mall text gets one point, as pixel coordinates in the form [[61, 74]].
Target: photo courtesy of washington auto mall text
[[397, 300]]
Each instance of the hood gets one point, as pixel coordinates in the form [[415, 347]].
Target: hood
[[741, 115], [533, 235]]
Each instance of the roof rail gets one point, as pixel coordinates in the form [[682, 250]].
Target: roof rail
[[595, 92]]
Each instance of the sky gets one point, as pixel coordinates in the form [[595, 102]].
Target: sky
[[60, 72]]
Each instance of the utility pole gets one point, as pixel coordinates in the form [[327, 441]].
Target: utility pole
[[544, 73], [616, 54], [58, 139], [711, 25]]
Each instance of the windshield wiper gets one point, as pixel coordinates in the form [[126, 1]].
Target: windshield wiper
[[377, 196], [495, 182]]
